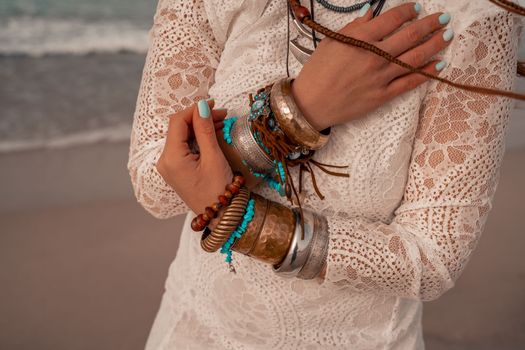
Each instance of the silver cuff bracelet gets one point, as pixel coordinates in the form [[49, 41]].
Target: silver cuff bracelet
[[319, 250], [248, 148], [306, 257], [299, 249]]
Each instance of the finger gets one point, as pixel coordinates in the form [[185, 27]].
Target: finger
[[218, 126], [411, 81], [219, 114], [414, 33], [421, 54], [179, 131], [365, 14], [204, 129], [383, 25]]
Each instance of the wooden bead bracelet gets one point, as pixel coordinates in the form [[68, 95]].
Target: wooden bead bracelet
[[201, 221]]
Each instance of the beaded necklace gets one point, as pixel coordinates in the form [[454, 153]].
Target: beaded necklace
[[302, 53], [344, 9], [350, 8]]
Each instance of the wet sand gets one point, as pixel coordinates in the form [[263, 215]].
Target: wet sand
[[82, 265]]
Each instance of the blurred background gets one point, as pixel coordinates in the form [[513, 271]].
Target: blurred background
[[82, 265]]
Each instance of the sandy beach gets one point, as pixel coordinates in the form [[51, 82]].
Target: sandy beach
[[82, 265]]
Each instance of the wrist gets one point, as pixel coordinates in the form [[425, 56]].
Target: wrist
[[226, 199], [305, 106]]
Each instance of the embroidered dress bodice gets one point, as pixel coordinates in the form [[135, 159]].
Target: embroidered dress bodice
[[423, 171]]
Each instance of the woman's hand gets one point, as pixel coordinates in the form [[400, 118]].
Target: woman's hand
[[340, 83], [197, 178]]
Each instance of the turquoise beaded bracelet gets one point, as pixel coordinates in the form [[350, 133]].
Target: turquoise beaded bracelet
[[268, 178], [238, 232], [227, 128]]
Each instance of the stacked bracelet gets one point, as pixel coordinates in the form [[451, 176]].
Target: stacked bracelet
[[229, 221], [248, 148], [291, 120], [318, 249], [299, 248], [269, 234], [238, 232], [202, 220], [305, 258], [232, 225], [273, 235]]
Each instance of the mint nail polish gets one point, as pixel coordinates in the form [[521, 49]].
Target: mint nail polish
[[444, 18], [418, 7], [448, 34], [204, 109], [364, 10], [440, 65]]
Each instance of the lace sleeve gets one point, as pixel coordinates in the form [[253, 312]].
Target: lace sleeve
[[179, 69], [453, 174]]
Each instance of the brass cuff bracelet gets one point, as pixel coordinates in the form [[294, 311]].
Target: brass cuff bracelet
[[250, 236], [269, 235], [273, 236], [290, 119]]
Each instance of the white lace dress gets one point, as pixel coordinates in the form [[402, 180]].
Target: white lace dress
[[423, 171]]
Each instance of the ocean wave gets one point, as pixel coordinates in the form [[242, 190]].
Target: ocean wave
[[116, 133], [41, 36]]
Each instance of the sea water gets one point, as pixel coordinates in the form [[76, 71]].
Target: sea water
[[70, 69]]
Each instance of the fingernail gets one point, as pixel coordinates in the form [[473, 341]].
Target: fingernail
[[210, 99], [448, 34], [418, 7], [444, 18], [440, 65], [204, 109], [364, 10]]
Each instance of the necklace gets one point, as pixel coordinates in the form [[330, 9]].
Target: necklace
[[350, 8], [301, 53]]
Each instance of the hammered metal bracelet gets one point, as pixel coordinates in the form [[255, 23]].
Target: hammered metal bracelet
[[290, 119], [248, 148], [268, 239]]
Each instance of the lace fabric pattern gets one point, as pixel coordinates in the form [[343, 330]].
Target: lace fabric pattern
[[179, 70], [423, 171]]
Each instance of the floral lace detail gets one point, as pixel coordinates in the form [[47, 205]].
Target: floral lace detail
[[179, 70], [458, 149]]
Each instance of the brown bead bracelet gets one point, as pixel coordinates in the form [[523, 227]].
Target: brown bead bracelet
[[201, 221]]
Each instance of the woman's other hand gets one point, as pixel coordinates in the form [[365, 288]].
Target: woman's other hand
[[197, 178], [340, 83]]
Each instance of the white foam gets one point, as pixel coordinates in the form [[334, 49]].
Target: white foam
[[111, 134], [39, 36]]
